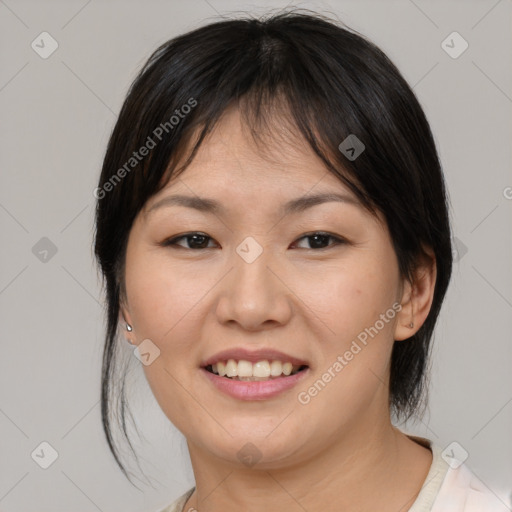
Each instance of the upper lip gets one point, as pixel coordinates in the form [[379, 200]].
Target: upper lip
[[253, 356]]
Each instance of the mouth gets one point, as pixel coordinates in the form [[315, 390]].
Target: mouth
[[262, 379], [243, 370]]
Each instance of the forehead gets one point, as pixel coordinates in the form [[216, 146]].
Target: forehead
[[235, 154], [272, 172], [237, 168]]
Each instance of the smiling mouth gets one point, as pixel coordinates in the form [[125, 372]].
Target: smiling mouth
[[243, 370]]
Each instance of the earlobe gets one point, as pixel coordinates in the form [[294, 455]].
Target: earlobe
[[417, 298], [124, 320], [405, 318]]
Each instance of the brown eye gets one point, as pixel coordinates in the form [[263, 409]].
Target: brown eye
[[194, 241], [320, 240]]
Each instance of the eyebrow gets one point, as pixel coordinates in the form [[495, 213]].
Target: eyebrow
[[212, 206]]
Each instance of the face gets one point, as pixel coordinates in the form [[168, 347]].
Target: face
[[317, 283]]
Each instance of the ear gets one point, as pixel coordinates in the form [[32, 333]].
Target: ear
[[417, 297]]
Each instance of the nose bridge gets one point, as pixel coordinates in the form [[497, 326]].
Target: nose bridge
[[253, 294], [252, 277]]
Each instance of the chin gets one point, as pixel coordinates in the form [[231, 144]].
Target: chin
[[250, 446]]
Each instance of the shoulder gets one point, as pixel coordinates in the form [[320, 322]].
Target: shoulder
[[177, 505], [451, 486], [462, 491]]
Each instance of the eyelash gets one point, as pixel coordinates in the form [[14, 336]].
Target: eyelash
[[172, 242]]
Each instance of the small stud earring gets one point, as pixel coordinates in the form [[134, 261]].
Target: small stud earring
[[411, 325], [129, 328]]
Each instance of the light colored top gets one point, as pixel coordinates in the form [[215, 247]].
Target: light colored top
[[450, 486]]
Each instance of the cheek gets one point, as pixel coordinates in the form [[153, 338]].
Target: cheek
[[158, 295], [165, 308], [351, 297], [354, 360], [358, 334]]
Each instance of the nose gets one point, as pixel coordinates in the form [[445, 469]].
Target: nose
[[254, 294]]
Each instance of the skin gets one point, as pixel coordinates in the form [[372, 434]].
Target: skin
[[339, 451]]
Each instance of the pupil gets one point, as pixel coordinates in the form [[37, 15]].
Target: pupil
[[322, 239], [195, 239]]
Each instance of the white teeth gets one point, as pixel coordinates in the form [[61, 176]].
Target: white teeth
[[231, 368], [276, 368], [221, 369], [261, 369], [287, 368], [245, 370]]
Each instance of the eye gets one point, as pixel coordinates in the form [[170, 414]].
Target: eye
[[320, 239], [195, 240]]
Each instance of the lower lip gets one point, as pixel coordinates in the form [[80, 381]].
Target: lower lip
[[254, 390]]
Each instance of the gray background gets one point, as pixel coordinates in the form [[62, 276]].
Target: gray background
[[57, 114]]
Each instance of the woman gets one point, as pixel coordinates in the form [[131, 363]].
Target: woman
[[273, 230]]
